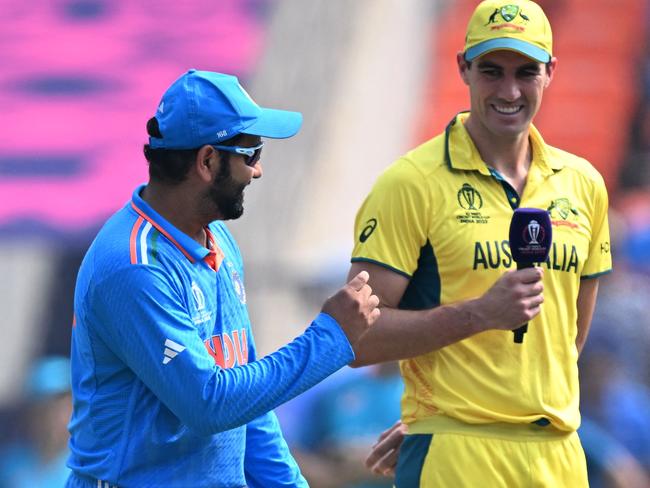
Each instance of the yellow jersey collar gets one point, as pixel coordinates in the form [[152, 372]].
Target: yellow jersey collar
[[461, 153]]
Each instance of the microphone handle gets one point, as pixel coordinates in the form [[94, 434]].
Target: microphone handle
[[519, 332]]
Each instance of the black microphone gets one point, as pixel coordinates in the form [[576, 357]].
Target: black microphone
[[530, 242]]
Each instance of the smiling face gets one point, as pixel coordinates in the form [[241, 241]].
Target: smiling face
[[506, 91]]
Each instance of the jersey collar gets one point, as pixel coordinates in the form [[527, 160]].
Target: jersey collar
[[191, 249], [461, 153]]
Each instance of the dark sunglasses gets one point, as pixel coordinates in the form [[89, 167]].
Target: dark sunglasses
[[252, 153]]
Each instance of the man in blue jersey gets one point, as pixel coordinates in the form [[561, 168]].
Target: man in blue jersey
[[167, 386]]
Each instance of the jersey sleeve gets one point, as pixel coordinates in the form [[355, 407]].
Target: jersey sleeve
[[599, 260], [268, 462], [144, 320], [391, 225]]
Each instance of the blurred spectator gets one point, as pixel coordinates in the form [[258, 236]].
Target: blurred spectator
[[40, 460], [614, 399], [615, 363], [609, 464], [339, 422]]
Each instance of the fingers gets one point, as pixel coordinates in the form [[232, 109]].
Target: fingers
[[387, 432], [359, 281], [374, 315], [383, 455], [386, 465], [533, 290], [530, 275]]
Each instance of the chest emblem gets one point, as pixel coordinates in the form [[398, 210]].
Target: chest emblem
[[471, 201], [200, 314], [563, 213], [237, 283], [199, 297], [469, 198]]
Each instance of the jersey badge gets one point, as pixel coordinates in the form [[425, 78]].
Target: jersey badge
[[563, 213], [199, 314], [237, 283], [470, 200]]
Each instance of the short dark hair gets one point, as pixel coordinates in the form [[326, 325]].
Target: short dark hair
[[172, 165]]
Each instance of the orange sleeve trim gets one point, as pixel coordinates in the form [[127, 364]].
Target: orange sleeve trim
[[134, 240], [162, 231]]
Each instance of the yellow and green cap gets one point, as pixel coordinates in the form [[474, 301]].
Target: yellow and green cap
[[514, 25]]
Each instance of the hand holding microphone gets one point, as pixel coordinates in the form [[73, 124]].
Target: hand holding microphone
[[516, 297], [530, 242]]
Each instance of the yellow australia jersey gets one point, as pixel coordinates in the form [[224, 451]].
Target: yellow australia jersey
[[440, 216]]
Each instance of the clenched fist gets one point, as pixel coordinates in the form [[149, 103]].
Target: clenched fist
[[354, 307], [513, 300]]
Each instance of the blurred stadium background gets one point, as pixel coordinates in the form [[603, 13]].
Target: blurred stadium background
[[79, 79]]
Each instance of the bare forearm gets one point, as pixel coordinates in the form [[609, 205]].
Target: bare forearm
[[514, 299], [402, 334]]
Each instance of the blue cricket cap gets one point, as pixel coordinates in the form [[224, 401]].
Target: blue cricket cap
[[202, 107]]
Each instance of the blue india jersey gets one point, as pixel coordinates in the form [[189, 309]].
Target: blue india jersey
[[167, 387]]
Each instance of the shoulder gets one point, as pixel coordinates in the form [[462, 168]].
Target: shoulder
[[578, 166], [418, 166], [115, 245], [128, 250]]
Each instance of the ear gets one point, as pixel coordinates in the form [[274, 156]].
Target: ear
[[207, 163], [550, 71], [462, 66]]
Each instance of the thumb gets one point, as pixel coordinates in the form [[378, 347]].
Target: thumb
[[359, 281]]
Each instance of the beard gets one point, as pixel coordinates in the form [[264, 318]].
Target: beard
[[227, 195]]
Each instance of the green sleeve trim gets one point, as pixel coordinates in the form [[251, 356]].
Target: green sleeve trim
[[596, 275], [383, 265]]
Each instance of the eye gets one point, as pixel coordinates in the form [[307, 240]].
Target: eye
[[529, 73], [490, 72]]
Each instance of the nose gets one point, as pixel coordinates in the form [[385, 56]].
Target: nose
[[257, 170], [509, 89]]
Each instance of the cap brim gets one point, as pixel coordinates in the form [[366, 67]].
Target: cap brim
[[507, 43], [276, 124]]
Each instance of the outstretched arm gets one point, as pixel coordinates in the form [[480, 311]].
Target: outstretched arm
[[402, 334]]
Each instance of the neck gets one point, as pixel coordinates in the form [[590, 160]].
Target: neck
[[177, 205], [510, 156]]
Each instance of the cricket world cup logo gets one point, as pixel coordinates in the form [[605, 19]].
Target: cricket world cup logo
[[469, 198], [199, 298], [533, 233]]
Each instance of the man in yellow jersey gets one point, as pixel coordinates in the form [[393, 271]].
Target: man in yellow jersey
[[480, 409]]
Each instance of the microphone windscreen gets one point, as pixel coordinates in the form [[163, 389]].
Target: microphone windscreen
[[530, 235]]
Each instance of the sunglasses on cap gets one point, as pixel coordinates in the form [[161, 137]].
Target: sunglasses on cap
[[252, 153]]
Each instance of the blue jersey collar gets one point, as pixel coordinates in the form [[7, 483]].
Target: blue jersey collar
[[188, 246]]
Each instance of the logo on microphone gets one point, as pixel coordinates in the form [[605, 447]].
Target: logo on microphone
[[469, 198], [533, 233]]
